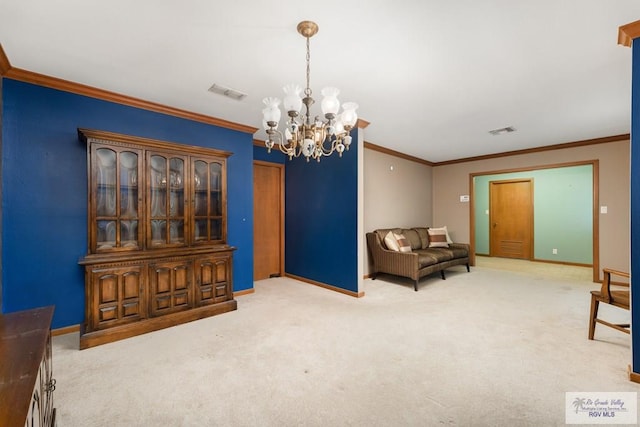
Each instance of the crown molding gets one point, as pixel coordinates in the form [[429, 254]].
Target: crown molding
[[92, 92], [5, 65], [594, 141], [7, 71], [394, 153], [582, 143], [628, 32], [361, 124]]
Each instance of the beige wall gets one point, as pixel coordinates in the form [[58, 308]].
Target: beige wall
[[395, 198], [451, 181]]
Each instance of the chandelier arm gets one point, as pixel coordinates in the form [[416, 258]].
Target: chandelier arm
[[326, 152], [286, 147]]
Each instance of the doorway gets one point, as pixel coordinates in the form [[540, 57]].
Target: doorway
[[268, 220], [511, 218], [552, 213]]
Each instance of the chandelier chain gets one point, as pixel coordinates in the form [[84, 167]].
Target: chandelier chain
[[307, 90]]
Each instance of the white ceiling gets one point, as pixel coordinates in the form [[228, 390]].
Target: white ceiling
[[432, 77]]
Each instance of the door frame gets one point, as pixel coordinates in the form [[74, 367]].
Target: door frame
[[595, 233], [281, 170], [531, 214]]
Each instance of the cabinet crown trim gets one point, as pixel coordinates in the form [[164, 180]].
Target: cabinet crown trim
[[87, 135]]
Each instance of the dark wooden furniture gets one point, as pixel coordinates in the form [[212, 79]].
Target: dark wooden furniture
[[617, 298], [157, 236], [26, 383]]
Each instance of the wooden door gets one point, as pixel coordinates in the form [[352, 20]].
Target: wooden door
[[511, 218], [268, 220]]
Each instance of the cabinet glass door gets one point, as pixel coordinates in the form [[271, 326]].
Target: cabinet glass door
[[166, 201], [208, 204], [116, 199]]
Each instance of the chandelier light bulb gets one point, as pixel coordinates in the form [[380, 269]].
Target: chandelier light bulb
[[271, 113], [330, 103], [349, 116], [292, 100]]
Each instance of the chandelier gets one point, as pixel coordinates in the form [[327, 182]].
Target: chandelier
[[312, 138]]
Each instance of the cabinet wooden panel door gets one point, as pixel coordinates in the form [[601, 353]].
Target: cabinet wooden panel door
[[170, 286], [213, 280], [117, 295]]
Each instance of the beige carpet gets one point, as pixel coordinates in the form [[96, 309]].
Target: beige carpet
[[540, 269], [486, 348]]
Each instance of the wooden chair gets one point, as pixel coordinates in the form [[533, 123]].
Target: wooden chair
[[617, 298]]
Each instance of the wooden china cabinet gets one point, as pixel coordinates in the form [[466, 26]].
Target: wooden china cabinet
[[157, 236]]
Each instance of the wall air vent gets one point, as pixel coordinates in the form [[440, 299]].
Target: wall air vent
[[500, 131], [228, 92]]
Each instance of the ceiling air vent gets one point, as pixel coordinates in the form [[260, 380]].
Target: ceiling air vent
[[500, 131], [228, 92]]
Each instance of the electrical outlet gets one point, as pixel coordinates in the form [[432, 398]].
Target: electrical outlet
[[554, 251]]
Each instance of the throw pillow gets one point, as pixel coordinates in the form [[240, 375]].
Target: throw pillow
[[391, 242], [446, 232], [403, 243], [437, 238]]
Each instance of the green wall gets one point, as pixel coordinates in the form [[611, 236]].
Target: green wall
[[563, 218]]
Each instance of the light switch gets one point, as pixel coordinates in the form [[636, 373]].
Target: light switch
[[603, 209]]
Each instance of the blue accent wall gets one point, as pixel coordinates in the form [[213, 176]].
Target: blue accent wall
[[44, 183], [635, 205], [321, 229], [276, 156]]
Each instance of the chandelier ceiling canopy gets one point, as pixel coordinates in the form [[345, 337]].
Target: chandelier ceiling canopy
[[304, 135]]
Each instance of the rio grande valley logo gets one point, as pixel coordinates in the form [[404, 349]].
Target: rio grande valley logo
[[601, 408]]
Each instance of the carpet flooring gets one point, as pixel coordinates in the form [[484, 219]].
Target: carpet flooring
[[488, 348]]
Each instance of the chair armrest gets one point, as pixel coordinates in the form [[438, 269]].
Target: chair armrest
[[386, 261]]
